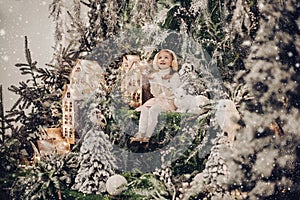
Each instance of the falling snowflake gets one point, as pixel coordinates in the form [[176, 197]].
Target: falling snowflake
[[2, 32], [5, 58]]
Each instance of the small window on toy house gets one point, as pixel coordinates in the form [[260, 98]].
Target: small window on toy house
[[66, 107], [78, 69], [70, 108], [70, 119], [66, 119], [68, 94]]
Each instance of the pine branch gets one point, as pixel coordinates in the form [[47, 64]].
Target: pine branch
[[55, 9], [87, 4], [33, 107], [29, 67]]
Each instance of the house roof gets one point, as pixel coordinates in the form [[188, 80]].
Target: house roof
[[87, 66]]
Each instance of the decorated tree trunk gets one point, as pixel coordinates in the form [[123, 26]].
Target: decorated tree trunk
[[2, 131]]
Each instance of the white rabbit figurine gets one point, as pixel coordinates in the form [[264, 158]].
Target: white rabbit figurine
[[186, 103], [227, 117]]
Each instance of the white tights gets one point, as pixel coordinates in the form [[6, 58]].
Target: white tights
[[148, 120]]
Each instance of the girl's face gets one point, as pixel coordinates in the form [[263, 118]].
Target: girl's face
[[164, 60]]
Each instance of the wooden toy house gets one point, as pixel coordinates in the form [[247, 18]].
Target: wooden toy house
[[58, 140], [68, 116], [52, 141], [133, 81], [86, 76]]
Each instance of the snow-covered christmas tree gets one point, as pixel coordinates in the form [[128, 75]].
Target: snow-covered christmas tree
[[96, 161]]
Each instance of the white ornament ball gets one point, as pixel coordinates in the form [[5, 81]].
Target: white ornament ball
[[116, 184]]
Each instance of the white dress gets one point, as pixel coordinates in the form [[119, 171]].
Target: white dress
[[162, 88]]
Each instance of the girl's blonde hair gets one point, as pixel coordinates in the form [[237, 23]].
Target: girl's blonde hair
[[174, 60]]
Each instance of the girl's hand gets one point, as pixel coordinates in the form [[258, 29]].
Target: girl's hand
[[165, 77], [149, 77]]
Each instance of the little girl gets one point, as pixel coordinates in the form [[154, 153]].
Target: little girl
[[162, 84]]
